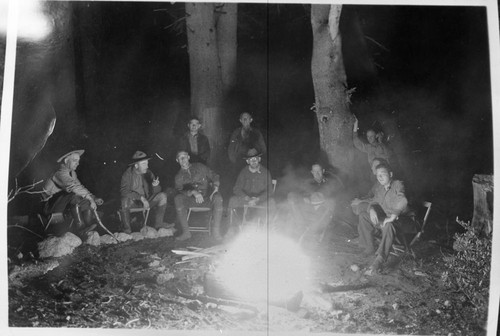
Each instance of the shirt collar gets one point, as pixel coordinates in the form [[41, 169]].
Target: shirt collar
[[256, 170]]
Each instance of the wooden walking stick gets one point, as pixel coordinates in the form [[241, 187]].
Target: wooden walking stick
[[102, 225]]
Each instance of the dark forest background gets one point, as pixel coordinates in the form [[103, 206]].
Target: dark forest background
[[116, 75]]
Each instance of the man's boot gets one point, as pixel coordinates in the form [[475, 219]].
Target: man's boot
[[87, 221], [159, 214], [77, 219], [125, 217], [182, 216]]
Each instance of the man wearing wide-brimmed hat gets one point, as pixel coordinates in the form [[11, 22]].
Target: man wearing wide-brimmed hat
[[140, 188], [253, 185], [64, 189]]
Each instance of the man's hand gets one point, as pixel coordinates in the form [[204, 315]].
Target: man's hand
[[93, 206], [373, 216], [389, 219], [355, 127], [145, 202], [99, 201], [198, 197], [216, 189], [156, 182], [253, 201]]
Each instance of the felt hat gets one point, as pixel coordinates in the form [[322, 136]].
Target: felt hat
[[78, 151], [138, 157], [252, 152], [317, 198]]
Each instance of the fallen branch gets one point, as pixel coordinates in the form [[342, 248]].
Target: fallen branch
[[223, 302], [325, 288]]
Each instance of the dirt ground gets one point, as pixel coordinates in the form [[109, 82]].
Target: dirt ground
[[143, 284]]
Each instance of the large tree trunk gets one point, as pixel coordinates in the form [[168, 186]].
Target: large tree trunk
[[211, 31], [331, 95], [483, 203]]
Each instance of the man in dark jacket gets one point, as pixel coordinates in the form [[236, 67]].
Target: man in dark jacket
[[195, 143], [140, 188], [197, 186]]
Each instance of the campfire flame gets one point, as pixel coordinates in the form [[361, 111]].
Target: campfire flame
[[263, 266]]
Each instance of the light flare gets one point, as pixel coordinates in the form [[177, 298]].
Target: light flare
[[33, 24], [263, 266]]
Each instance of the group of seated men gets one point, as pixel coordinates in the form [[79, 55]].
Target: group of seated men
[[195, 183], [384, 209]]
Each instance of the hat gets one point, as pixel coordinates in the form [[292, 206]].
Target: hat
[[317, 198], [252, 152], [78, 151], [138, 157]]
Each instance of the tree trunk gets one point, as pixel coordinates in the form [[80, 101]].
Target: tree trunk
[[330, 87], [211, 30], [483, 203]]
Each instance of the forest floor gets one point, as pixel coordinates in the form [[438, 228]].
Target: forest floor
[[143, 284]]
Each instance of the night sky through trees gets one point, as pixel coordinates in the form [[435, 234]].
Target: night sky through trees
[[424, 68]]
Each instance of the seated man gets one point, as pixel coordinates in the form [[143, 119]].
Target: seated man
[[361, 204], [313, 206], [140, 188], [195, 143], [253, 186], [192, 183], [64, 189], [388, 211]]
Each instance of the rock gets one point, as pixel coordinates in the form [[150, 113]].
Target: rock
[[122, 236], [354, 268], [149, 232], [163, 278], [447, 303], [154, 263], [166, 232], [58, 246], [137, 236], [93, 238], [107, 239]]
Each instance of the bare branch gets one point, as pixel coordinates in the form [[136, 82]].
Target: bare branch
[[22, 227], [24, 190], [377, 43]]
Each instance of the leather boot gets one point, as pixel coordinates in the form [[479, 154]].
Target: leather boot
[[77, 219], [159, 214], [87, 221], [182, 216], [125, 216]]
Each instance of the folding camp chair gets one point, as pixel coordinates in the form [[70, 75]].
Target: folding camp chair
[[404, 246], [246, 207]]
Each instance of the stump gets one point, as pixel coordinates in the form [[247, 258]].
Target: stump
[[483, 203]]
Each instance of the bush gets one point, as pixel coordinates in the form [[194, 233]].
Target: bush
[[469, 269]]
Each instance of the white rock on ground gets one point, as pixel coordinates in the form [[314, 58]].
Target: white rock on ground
[[122, 236], [149, 232], [58, 246], [165, 232], [137, 236], [93, 238], [107, 239]]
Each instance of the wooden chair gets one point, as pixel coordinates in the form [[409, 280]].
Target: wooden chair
[[208, 227], [53, 218], [402, 245], [246, 207]]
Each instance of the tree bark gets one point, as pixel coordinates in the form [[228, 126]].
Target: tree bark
[[211, 30], [483, 203], [332, 98]]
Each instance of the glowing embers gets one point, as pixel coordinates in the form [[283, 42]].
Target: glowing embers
[[262, 266]]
